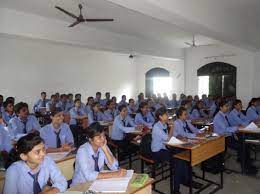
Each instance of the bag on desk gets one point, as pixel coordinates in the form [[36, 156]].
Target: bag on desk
[[214, 165], [145, 145]]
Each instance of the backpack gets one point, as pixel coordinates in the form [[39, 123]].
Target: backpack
[[145, 145]]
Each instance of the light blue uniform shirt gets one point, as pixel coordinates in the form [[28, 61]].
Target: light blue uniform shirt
[[40, 104], [252, 114], [110, 115], [74, 113], [157, 106], [87, 109], [181, 129], [5, 139], [50, 104], [159, 137], [7, 117], [197, 114], [70, 104], [122, 126], [85, 164], [236, 118], [16, 126], [221, 125], [131, 109], [172, 104], [47, 133], [147, 120], [18, 181], [122, 103], [95, 117], [212, 109], [103, 102]]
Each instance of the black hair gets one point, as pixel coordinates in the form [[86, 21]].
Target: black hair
[[89, 98], [253, 100], [142, 105], [43, 93], [10, 98], [55, 110], [109, 102], [70, 94], [1, 96], [161, 111], [222, 103], [123, 96], [94, 104], [20, 106], [131, 99], [24, 145], [196, 106], [180, 111], [63, 95], [107, 93], [76, 100], [78, 94], [94, 129], [5, 104], [98, 93], [53, 96], [120, 108], [236, 102]]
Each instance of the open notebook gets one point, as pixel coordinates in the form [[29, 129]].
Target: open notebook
[[252, 127], [58, 156], [112, 185]]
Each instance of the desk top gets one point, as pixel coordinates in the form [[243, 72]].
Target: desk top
[[249, 131], [130, 189]]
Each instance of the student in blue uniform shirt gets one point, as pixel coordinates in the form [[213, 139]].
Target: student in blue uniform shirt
[[214, 108], [23, 123], [197, 111], [89, 104], [57, 135], [1, 103], [52, 103], [251, 112], [131, 107], [40, 103], [92, 156], [78, 97], [144, 116], [115, 102], [222, 126], [77, 113], [95, 114], [173, 103], [104, 101], [111, 112], [123, 101], [236, 117], [5, 138], [122, 125], [70, 102], [63, 103], [8, 112], [187, 105], [183, 127], [33, 170], [98, 97]]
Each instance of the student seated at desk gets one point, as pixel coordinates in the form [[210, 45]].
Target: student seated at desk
[[123, 124], [90, 101], [52, 103], [222, 126], [32, 170], [236, 117], [111, 112], [197, 112], [144, 116], [98, 97], [64, 103], [104, 101], [70, 102], [183, 128], [24, 122], [214, 108], [92, 156], [115, 102], [57, 135], [8, 112], [252, 113], [77, 113], [173, 103], [78, 97], [187, 105], [95, 114], [41, 103], [131, 107], [123, 101], [1, 103]]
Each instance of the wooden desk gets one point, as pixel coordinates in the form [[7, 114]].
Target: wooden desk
[[195, 154], [65, 165], [145, 189], [202, 123], [108, 126], [244, 133]]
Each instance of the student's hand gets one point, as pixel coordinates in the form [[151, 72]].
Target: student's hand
[[121, 172], [139, 127], [104, 147], [66, 148], [36, 132], [241, 127], [200, 135]]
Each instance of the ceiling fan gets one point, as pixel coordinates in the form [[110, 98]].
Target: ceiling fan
[[80, 18], [193, 43]]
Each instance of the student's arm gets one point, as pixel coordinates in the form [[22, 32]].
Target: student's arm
[[10, 185], [69, 137], [193, 128], [110, 160], [123, 128], [179, 131], [140, 121], [36, 124], [221, 128], [59, 182]]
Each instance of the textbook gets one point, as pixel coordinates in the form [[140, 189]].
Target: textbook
[[175, 141]]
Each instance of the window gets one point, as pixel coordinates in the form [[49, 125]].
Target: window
[[203, 85], [162, 85]]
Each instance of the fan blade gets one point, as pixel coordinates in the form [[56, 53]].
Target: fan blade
[[99, 20], [66, 12], [188, 43], [75, 23]]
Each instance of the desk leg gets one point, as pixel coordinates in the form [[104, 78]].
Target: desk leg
[[171, 177], [243, 153], [190, 170]]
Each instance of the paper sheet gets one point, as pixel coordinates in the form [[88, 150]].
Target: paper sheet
[[175, 141], [251, 126], [58, 156]]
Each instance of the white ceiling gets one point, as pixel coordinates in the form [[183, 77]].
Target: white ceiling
[[127, 21], [232, 21]]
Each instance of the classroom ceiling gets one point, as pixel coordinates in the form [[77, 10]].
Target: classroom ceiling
[[236, 22], [127, 21]]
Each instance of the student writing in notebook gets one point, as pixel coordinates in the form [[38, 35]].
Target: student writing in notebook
[[32, 170], [57, 135], [252, 113], [93, 155]]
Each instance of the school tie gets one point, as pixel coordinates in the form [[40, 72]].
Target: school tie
[[124, 123], [227, 120], [165, 130], [36, 186], [95, 116], [187, 128], [24, 126], [44, 103], [238, 116], [145, 119], [58, 142], [96, 162]]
